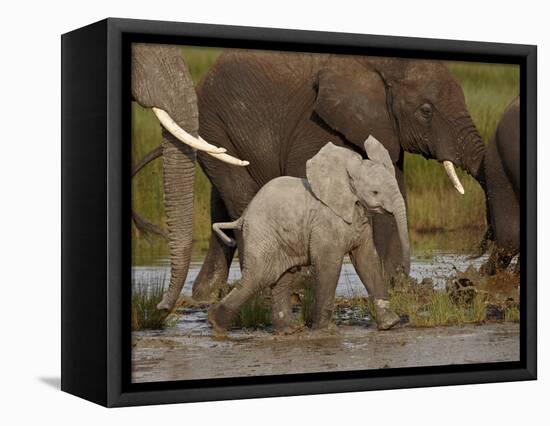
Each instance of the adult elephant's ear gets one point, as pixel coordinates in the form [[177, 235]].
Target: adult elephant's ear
[[327, 174], [352, 100]]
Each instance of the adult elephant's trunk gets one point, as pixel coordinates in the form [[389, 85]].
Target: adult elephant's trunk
[[465, 148], [473, 150], [179, 176], [161, 81], [400, 213]]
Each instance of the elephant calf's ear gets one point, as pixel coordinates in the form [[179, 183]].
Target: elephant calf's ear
[[378, 153], [327, 174]]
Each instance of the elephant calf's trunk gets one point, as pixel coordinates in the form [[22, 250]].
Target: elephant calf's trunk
[[400, 214]]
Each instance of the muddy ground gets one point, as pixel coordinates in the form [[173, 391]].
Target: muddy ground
[[187, 350]]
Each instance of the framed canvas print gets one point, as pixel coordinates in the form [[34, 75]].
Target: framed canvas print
[[252, 212]]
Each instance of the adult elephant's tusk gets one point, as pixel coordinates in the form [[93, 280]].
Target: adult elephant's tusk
[[451, 172], [226, 158], [199, 144]]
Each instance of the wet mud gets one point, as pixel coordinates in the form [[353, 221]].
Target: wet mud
[[188, 350]]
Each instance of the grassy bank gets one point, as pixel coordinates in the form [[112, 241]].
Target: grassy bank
[[436, 211], [468, 297]]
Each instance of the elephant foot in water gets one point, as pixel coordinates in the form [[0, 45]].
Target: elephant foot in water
[[220, 318], [210, 285], [385, 317], [499, 260]]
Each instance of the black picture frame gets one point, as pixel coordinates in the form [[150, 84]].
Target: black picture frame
[[96, 212]]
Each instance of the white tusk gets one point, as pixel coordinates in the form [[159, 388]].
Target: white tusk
[[226, 158], [199, 144], [450, 169]]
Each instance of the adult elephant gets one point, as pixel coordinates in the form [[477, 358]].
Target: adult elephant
[[279, 109], [502, 186], [161, 81]]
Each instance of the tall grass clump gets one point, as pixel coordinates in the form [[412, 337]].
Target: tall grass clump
[[255, 314], [437, 310], [511, 313], [425, 306], [145, 298]]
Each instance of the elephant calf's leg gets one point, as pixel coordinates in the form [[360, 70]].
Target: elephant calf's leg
[[222, 314], [368, 266], [327, 270], [281, 305], [215, 268]]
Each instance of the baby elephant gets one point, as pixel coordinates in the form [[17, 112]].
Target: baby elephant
[[293, 223]]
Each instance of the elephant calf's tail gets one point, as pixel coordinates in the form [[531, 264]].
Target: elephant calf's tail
[[217, 228]]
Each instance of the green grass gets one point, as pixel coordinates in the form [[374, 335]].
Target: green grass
[[145, 298], [255, 314], [427, 307], [511, 313], [435, 209]]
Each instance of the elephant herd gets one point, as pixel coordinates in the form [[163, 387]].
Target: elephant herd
[[265, 120]]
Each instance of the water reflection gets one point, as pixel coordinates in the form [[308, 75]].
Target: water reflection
[[437, 267]]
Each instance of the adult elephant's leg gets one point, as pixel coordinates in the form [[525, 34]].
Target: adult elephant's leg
[[504, 212], [215, 268], [232, 190], [386, 236]]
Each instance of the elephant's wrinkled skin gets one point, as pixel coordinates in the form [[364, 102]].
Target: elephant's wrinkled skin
[[278, 110], [161, 81], [502, 188], [293, 223]]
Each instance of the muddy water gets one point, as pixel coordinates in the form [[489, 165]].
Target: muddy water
[[182, 354], [436, 267]]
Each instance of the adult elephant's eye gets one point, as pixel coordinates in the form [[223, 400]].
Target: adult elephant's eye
[[426, 111]]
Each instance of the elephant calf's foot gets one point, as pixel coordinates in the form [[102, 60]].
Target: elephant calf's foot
[[220, 318], [385, 318], [288, 329]]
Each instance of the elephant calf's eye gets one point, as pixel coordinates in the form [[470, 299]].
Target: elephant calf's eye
[[426, 111]]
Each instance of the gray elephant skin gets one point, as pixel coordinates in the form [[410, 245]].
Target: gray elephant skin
[[278, 110], [161, 81], [293, 223], [502, 189]]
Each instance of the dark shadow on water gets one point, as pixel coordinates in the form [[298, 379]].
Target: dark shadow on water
[[54, 382]]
